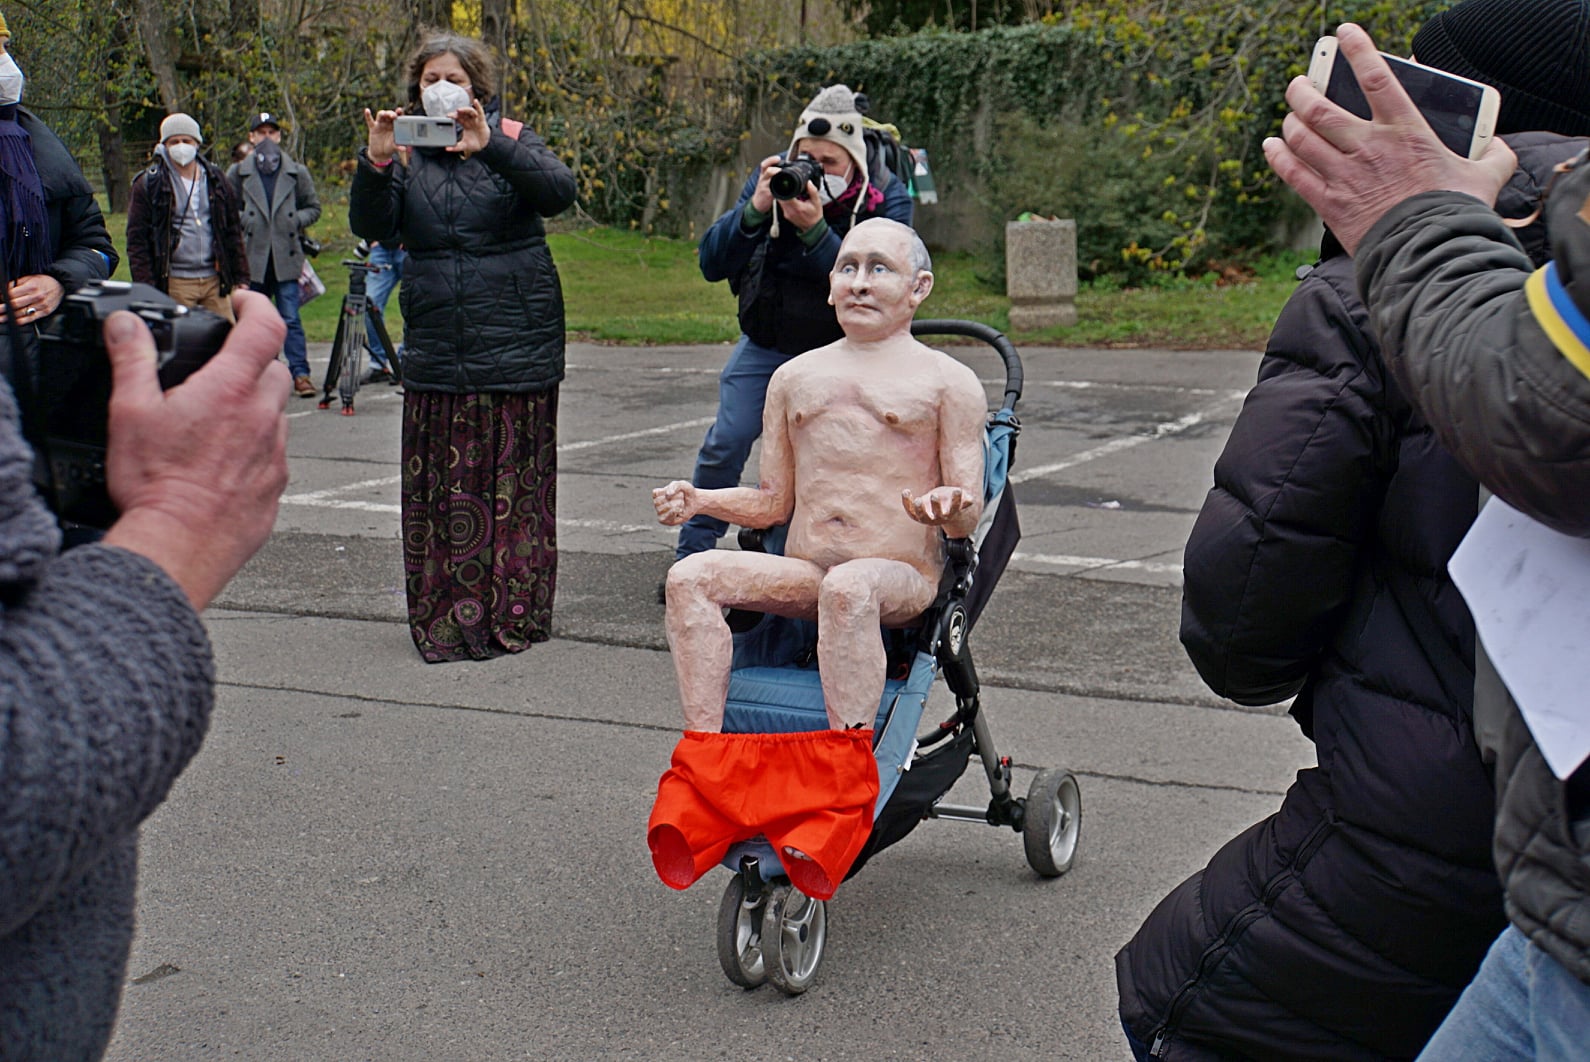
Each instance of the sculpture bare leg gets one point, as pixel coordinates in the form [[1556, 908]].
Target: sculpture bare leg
[[854, 600], [699, 588]]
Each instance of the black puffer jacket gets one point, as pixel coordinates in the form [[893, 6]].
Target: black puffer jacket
[[78, 240], [482, 306], [1345, 925]]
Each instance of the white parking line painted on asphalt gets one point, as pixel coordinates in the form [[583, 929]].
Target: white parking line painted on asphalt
[[316, 496], [699, 422], [328, 498], [1096, 563], [1099, 385], [1126, 442]]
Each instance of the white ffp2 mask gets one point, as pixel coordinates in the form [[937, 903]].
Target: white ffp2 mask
[[11, 80], [443, 98]]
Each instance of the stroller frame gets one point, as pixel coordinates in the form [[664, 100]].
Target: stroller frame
[[768, 931]]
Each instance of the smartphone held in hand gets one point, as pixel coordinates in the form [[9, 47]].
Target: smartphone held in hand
[[1460, 111], [421, 130]]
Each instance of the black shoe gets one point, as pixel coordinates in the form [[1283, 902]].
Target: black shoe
[[380, 376]]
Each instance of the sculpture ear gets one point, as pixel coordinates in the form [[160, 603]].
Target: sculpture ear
[[922, 286]]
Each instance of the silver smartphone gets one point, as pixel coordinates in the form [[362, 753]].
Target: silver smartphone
[[421, 130], [1462, 112]]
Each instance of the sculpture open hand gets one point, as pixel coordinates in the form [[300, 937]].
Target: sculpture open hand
[[937, 507], [675, 503]]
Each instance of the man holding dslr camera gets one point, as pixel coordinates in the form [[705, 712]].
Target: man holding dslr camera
[[106, 675], [776, 249]]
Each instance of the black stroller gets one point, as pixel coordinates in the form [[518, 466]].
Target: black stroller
[[768, 931]]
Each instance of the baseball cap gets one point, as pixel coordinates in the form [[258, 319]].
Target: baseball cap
[[264, 118]]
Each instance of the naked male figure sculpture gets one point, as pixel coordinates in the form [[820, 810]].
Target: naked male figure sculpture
[[871, 447]]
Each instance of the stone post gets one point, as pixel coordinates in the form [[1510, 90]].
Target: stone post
[[1041, 273]]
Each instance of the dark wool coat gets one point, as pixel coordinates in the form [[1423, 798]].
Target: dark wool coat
[[273, 229], [482, 304], [1345, 925], [1460, 335], [151, 227], [799, 274], [105, 692]]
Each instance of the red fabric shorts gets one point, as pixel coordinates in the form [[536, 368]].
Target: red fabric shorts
[[810, 792]]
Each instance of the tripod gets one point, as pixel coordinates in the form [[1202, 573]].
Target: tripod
[[352, 343]]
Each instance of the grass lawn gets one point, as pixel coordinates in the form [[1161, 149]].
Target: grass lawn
[[621, 287]]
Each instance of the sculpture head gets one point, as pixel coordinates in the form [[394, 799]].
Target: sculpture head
[[881, 276]]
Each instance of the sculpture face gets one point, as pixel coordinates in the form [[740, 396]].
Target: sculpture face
[[874, 288]]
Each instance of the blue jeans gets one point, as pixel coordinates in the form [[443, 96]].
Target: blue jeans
[[742, 392], [378, 288], [285, 294], [1522, 1004]]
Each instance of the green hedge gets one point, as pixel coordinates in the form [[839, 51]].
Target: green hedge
[[1144, 124]]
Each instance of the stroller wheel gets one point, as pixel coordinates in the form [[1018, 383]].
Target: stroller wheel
[[1053, 823], [740, 936], [794, 930]]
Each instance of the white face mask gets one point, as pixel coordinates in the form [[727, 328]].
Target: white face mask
[[11, 80], [182, 154], [443, 98], [833, 186]]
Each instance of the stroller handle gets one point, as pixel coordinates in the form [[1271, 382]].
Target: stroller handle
[[988, 334]]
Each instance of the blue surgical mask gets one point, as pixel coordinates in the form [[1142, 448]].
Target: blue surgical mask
[[11, 80]]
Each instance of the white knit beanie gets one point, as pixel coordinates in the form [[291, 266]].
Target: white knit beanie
[[832, 116], [180, 124]]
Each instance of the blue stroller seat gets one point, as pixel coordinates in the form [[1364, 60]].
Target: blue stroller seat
[[769, 931]]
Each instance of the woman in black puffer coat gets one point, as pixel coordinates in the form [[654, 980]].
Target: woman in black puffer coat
[[1345, 925], [483, 323]]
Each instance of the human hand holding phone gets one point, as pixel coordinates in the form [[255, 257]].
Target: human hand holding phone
[[1351, 170], [1462, 112]]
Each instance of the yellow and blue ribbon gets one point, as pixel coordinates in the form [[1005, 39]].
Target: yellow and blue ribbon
[[1562, 321]]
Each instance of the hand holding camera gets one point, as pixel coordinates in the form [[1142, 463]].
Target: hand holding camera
[[803, 210], [197, 470]]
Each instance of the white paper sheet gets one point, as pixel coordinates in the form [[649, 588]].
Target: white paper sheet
[[1529, 590]]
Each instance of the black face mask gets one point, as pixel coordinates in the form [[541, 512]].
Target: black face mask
[[267, 157]]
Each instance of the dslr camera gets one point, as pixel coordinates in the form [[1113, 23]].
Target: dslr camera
[[66, 401], [789, 181]]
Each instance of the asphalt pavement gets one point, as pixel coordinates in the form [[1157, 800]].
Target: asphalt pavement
[[373, 858]]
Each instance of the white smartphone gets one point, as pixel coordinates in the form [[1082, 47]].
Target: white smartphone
[[1462, 112], [421, 130]]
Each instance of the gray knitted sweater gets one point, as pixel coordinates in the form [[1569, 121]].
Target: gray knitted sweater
[[106, 684]]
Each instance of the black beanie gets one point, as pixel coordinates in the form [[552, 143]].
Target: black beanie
[[1535, 52]]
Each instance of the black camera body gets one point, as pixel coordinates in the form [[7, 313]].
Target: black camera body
[[789, 181], [66, 419]]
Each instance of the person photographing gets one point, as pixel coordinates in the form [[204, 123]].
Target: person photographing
[[483, 354]]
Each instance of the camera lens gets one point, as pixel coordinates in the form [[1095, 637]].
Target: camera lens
[[791, 178]]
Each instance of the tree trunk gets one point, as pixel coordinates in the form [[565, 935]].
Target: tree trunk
[[113, 158], [496, 26], [437, 14], [244, 19], [152, 30]]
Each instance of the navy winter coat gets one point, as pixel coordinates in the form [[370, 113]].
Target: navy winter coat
[[1345, 925], [799, 273], [482, 306]]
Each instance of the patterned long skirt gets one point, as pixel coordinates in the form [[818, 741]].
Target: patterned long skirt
[[479, 521]]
